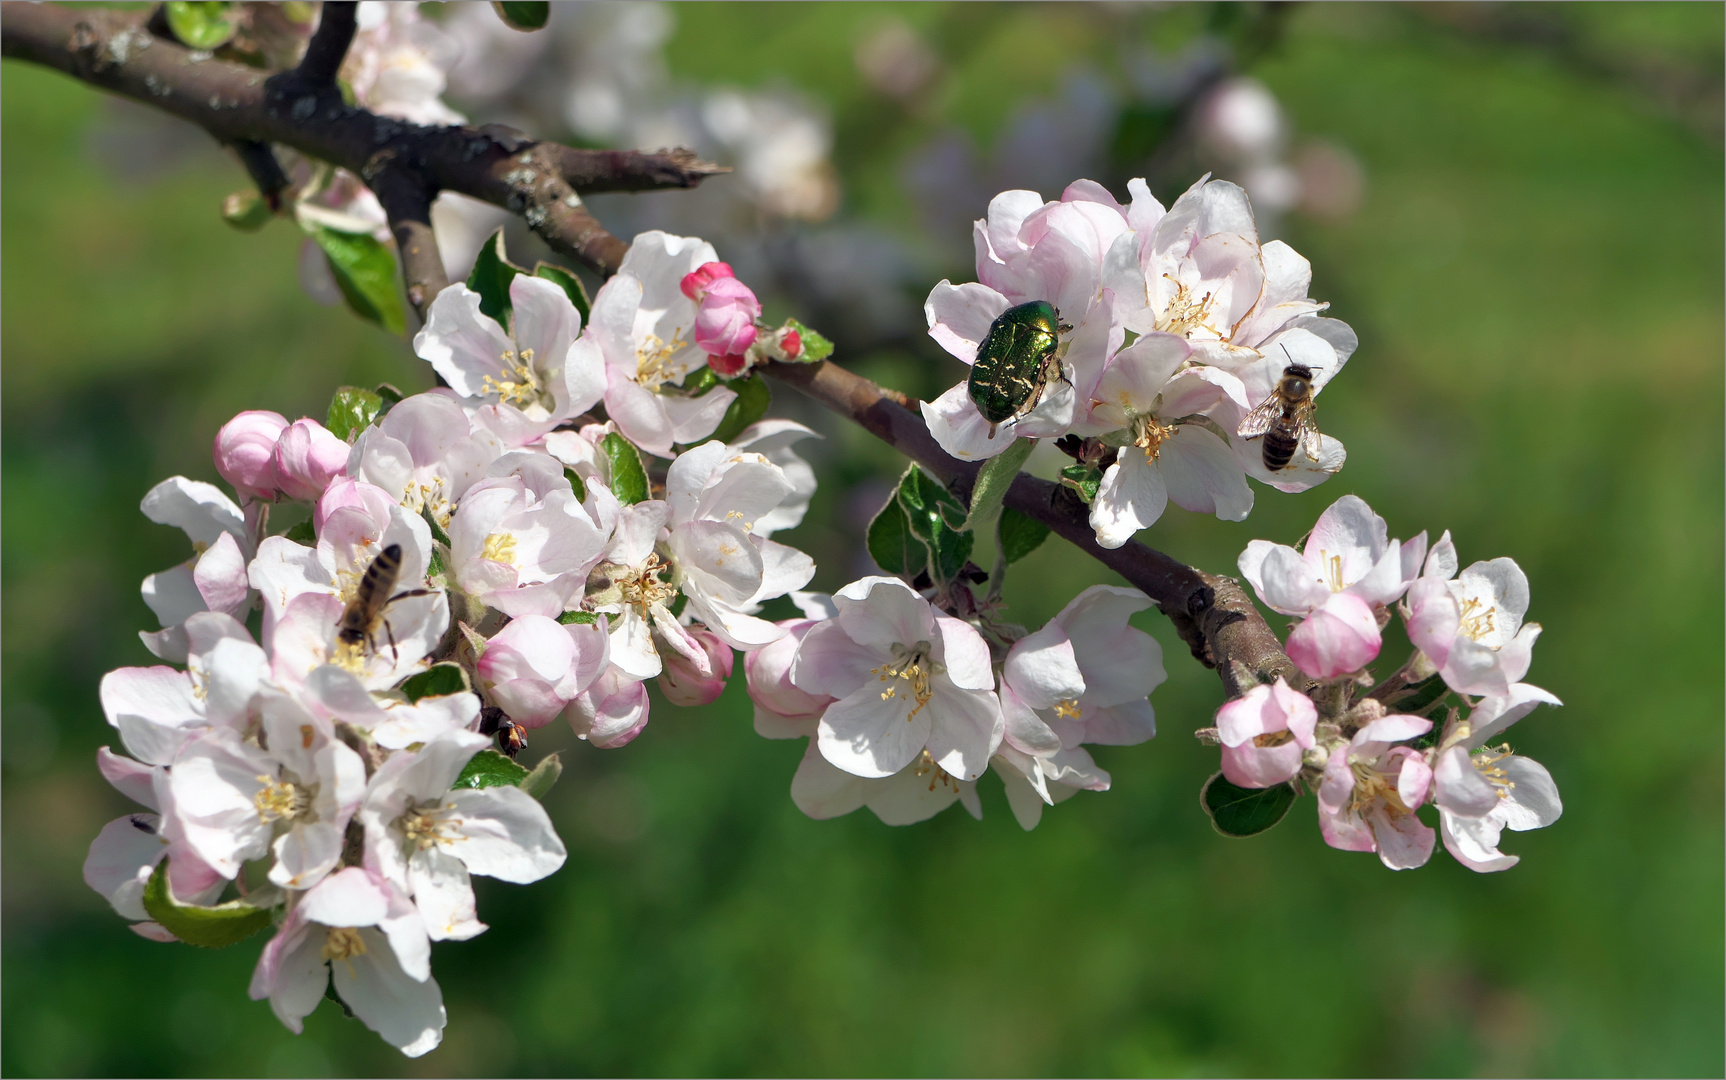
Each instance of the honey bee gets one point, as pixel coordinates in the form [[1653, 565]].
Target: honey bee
[[1284, 419], [365, 612], [511, 738]]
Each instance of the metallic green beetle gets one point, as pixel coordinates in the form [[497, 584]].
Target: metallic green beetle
[[1016, 362]]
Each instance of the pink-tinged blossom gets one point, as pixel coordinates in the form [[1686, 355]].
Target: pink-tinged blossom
[[335, 693], [1349, 570], [362, 933], [683, 682], [613, 710], [773, 440], [531, 366], [214, 578], [1264, 734], [398, 63], [1371, 789], [725, 320], [426, 839], [425, 453], [307, 458], [915, 793], [907, 679], [641, 329], [234, 800], [782, 711], [1170, 449], [1470, 624], [714, 494], [535, 666], [696, 283], [245, 449], [520, 540], [1482, 790], [157, 710], [1033, 781], [125, 853]]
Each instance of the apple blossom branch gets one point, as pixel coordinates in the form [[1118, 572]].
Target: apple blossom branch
[[406, 165]]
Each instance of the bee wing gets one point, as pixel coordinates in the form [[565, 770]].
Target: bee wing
[[1309, 433], [1259, 421]]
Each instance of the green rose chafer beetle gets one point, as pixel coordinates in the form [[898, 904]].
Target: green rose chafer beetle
[[1016, 362]]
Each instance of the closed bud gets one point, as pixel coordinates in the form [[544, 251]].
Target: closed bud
[[245, 450], [245, 211], [307, 457], [682, 682]]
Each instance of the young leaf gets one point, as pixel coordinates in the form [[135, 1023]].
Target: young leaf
[[583, 618], [207, 927], [524, 15], [389, 393], [366, 273], [891, 544], [569, 283], [201, 24], [488, 768], [815, 347], [492, 272], [930, 513], [352, 410], [993, 480], [1019, 535], [437, 531], [700, 381], [628, 478], [1238, 811], [439, 680], [538, 782], [1083, 479], [750, 405]]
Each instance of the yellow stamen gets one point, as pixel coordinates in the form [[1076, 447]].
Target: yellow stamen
[[1068, 709], [925, 766], [1332, 570], [912, 666], [279, 800], [523, 389], [499, 547], [1184, 312], [1477, 619], [643, 587], [341, 943], [427, 826], [653, 360], [1149, 436]]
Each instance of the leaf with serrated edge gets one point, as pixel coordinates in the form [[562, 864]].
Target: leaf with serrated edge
[[206, 927], [993, 480], [352, 410], [628, 478], [1237, 811], [439, 680], [930, 511], [1019, 534], [488, 768], [365, 271], [892, 545]]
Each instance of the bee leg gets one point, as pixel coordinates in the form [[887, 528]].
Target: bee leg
[[395, 657], [409, 593]]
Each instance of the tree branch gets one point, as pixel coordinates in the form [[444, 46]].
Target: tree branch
[[1213, 614], [406, 165], [538, 180]]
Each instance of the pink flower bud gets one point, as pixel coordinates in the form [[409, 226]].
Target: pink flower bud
[[1340, 637], [728, 366], [308, 456], [725, 323], [782, 711], [1264, 735], [694, 284], [792, 343], [343, 491], [244, 450], [682, 684]]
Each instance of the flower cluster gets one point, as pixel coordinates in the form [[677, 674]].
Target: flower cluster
[[475, 562], [905, 706], [1371, 765], [1175, 324]]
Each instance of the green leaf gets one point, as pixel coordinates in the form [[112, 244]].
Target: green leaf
[[352, 410], [437, 531], [1238, 811], [815, 347], [303, 533], [488, 768], [628, 478], [581, 618], [492, 272], [365, 271], [891, 544], [545, 774], [524, 15], [201, 24], [700, 381], [390, 395], [930, 511], [436, 567], [570, 284], [753, 398], [439, 680], [993, 480], [1083, 479], [1019, 535], [207, 927]]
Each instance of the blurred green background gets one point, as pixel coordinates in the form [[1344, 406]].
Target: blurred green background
[[1534, 268]]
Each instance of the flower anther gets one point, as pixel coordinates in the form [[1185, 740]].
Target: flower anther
[[280, 800], [524, 389], [910, 665]]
